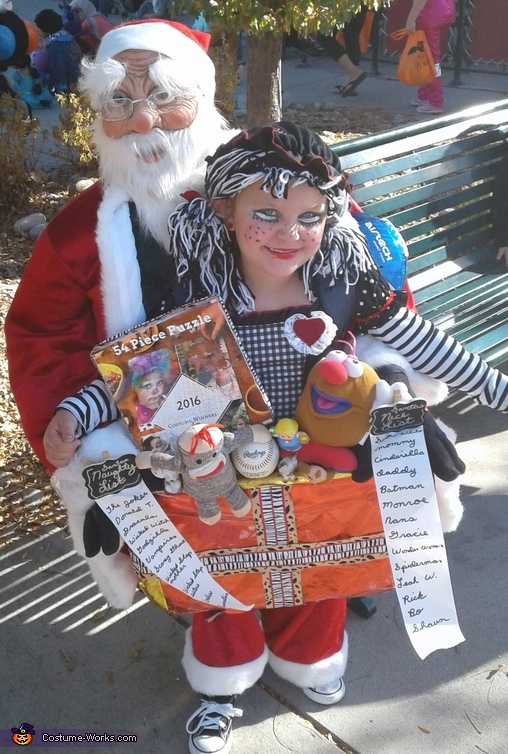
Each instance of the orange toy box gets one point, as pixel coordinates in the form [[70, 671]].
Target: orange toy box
[[300, 543]]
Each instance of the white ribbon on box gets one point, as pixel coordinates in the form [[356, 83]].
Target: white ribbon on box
[[412, 526]]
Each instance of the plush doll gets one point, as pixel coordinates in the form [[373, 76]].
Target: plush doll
[[202, 459], [334, 410]]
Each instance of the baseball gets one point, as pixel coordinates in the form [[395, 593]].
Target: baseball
[[255, 460]]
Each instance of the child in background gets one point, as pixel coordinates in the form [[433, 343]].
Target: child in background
[[64, 52], [27, 85], [435, 17], [273, 240], [93, 24]]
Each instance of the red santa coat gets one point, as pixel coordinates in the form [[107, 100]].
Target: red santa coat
[[49, 339]]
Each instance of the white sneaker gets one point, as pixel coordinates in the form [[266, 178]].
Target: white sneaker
[[210, 726], [428, 108], [416, 102], [327, 693]]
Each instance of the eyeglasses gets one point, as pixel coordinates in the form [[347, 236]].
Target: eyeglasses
[[121, 108]]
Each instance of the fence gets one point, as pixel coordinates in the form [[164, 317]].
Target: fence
[[478, 38]]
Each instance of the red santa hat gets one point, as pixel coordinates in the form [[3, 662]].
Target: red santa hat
[[176, 41]]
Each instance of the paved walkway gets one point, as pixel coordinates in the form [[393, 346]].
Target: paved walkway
[[65, 665]]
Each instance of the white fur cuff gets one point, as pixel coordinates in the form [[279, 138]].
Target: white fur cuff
[[220, 681], [310, 676]]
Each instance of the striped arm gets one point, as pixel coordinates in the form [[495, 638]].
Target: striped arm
[[92, 405], [433, 352]]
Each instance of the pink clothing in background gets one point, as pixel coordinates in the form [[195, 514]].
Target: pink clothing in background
[[435, 19]]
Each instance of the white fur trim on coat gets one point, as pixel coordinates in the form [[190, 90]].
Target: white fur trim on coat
[[310, 676], [220, 681], [120, 275]]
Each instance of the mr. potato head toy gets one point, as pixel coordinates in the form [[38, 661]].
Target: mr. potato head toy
[[334, 410]]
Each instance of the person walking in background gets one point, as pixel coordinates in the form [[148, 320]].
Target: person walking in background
[[435, 18], [93, 24], [64, 52], [347, 53]]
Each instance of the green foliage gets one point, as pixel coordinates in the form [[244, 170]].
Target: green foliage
[[16, 156], [74, 133], [277, 16]]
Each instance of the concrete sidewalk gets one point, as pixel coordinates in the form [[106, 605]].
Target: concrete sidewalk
[[67, 665]]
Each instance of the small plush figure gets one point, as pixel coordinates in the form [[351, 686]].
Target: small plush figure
[[287, 435], [202, 459]]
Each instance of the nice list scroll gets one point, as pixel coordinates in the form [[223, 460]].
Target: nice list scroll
[[412, 526]]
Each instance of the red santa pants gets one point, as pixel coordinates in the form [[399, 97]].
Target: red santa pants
[[227, 653], [433, 92]]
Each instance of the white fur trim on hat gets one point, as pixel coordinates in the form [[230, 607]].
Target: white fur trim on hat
[[162, 37]]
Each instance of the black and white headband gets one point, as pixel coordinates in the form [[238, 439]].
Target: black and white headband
[[277, 155]]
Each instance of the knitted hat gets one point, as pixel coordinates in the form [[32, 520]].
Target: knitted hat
[[283, 146], [177, 42], [48, 21]]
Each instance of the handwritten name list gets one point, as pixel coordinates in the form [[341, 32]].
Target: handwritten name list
[[413, 531], [117, 487]]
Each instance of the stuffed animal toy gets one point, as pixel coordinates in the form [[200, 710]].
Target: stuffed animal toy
[[202, 459], [334, 410]]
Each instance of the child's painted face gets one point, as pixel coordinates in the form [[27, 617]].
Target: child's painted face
[[151, 390], [277, 236]]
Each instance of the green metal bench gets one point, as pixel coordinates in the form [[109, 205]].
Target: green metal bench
[[434, 181]]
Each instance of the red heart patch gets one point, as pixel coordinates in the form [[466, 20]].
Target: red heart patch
[[309, 330], [310, 335]]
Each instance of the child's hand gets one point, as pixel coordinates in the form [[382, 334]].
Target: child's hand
[[60, 441]]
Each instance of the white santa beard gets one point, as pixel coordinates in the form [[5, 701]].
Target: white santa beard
[[156, 187]]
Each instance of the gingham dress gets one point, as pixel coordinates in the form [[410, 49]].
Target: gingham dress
[[278, 366]]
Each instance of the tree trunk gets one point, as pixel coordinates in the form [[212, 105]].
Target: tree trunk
[[264, 73]]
